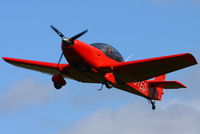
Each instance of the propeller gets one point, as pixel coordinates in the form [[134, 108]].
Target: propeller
[[58, 32], [67, 41]]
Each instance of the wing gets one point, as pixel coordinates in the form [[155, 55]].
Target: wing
[[44, 67], [140, 70], [53, 68]]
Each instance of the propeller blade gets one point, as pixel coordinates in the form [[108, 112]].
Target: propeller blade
[[78, 35], [60, 58], [66, 41], [58, 32]]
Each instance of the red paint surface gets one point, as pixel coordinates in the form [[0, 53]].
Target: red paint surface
[[129, 76]]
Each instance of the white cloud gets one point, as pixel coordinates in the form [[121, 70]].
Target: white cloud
[[24, 93], [173, 118]]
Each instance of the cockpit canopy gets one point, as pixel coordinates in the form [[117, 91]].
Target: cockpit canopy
[[109, 51]]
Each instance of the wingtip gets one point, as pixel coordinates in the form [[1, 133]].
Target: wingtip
[[191, 58], [4, 58], [7, 59]]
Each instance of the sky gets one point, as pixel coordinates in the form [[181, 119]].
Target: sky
[[144, 28]]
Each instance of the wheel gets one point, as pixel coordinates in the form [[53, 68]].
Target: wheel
[[57, 85], [108, 84], [153, 107]]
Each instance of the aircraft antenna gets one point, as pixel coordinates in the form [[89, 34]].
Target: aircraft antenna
[[131, 55]]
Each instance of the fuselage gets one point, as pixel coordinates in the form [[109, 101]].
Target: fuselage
[[90, 60], [87, 56]]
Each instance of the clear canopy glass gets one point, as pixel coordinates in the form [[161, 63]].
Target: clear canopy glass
[[109, 51]]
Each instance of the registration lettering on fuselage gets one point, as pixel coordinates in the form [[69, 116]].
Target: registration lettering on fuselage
[[141, 85]]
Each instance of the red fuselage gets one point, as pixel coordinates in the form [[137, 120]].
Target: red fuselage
[[87, 55], [91, 60]]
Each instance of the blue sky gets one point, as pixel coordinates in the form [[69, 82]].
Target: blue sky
[[144, 28]]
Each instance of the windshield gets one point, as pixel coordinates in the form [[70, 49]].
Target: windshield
[[109, 51]]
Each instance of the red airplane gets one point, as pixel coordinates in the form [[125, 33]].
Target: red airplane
[[101, 63]]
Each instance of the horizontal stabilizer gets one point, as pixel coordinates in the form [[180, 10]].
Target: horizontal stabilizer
[[166, 84]]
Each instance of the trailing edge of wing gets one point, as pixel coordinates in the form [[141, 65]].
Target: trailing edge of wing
[[140, 70], [44, 67]]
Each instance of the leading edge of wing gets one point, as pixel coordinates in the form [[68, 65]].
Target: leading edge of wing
[[148, 68], [44, 67], [186, 56]]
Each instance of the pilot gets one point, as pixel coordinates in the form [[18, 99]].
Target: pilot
[[109, 50]]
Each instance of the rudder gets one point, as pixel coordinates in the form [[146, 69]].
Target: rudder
[[155, 93]]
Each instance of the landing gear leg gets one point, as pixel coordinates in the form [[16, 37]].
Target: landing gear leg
[[107, 84], [152, 102], [101, 87]]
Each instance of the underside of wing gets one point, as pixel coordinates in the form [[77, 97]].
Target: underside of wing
[[149, 68], [44, 67], [53, 68]]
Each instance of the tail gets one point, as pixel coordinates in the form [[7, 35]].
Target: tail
[[157, 85], [160, 78]]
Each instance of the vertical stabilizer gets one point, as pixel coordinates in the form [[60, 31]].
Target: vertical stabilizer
[[160, 78], [155, 92]]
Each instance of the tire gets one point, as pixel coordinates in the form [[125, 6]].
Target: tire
[[57, 85], [153, 107], [108, 84]]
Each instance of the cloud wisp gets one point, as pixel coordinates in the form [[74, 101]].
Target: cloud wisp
[[172, 118], [24, 93]]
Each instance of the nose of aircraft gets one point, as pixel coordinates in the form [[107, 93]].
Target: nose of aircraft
[[67, 41]]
